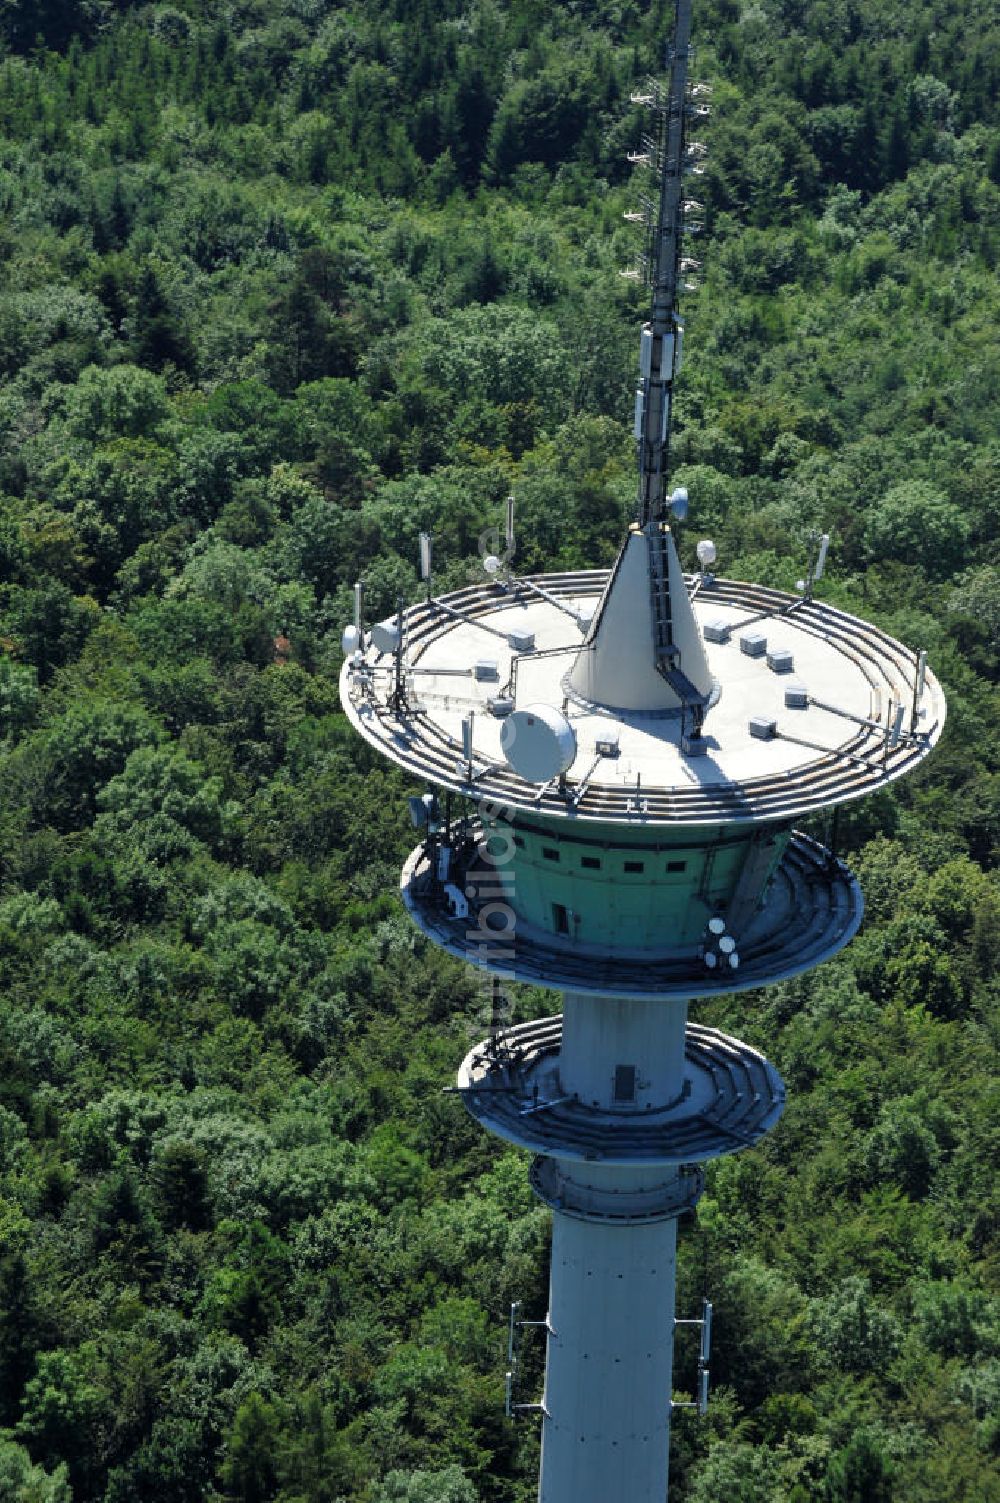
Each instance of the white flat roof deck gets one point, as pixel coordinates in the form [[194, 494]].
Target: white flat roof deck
[[833, 749]]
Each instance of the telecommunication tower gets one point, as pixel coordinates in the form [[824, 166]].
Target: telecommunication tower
[[617, 760]]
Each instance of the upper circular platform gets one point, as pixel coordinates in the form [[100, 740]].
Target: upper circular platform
[[809, 707]]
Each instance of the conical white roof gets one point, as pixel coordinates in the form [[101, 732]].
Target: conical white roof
[[616, 665]]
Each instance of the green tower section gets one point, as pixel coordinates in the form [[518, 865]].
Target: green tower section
[[632, 891]]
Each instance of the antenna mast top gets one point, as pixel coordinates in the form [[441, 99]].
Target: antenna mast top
[[659, 359]]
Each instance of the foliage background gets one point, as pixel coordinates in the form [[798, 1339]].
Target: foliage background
[[281, 283]]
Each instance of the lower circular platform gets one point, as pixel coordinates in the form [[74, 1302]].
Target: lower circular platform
[[731, 1097], [612, 1206], [813, 908]]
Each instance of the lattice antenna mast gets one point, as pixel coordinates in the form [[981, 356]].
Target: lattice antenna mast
[[659, 356]]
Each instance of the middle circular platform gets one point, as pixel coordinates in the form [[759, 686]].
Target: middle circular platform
[[813, 908]]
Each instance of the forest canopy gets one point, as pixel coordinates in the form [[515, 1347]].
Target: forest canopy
[[282, 284]]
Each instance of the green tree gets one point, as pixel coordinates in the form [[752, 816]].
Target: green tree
[[23, 1482], [249, 1467], [860, 1473], [160, 337], [914, 523], [447, 1486], [80, 752]]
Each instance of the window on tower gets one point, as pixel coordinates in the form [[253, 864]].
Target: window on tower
[[560, 917]]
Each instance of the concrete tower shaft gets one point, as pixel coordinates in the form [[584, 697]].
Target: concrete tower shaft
[[609, 1360], [610, 1339]]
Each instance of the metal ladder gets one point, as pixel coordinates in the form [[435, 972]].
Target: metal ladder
[[665, 650]]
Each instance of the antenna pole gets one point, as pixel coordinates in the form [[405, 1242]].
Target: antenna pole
[[398, 697], [425, 562], [659, 359]]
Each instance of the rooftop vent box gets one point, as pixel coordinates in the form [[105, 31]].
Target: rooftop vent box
[[797, 696], [521, 641], [753, 643], [763, 728], [717, 631], [486, 671], [500, 705], [780, 660]]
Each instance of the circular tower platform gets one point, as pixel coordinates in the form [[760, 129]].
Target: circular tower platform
[[802, 696]]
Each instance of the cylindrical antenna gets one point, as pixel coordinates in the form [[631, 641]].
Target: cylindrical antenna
[[425, 560], [515, 1311], [358, 591], [920, 678], [703, 1392], [897, 724], [706, 1330], [824, 544], [510, 528], [467, 724]]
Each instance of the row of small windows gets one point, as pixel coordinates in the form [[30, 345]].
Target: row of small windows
[[593, 863]]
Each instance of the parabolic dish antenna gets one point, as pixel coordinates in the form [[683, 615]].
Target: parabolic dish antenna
[[538, 742]]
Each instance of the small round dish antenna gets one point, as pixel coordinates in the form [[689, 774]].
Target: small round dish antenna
[[706, 552], [385, 636], [538, 742], [491, 563], [350, 641]]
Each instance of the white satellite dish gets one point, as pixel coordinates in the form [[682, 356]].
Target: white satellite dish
[[706, 552], [350, 641], [538, 742], [491, 563], [385, 636]]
